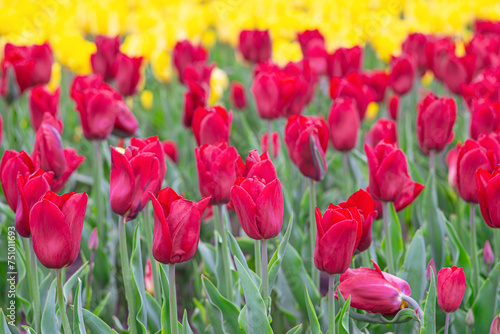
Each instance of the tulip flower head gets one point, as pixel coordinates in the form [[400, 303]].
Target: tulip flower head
[[127, 73], [12, 164], [42, 100], [194, 97], [344, 61], [238, 95], [403, 71], [185, 53], [171, 150], [488, 255], [260, 166], [211, 125], [382, 130], [255, 45], [495, 326], [430, 266], [48, 145], [354, 87], [485, 118], [393, 107], [344, 123], [488, 195], [153, 145], [102, 60], [275, 144], [450, 288]]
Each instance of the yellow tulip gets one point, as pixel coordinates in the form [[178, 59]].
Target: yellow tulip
[[161, 65], [147, 99], [55, 78], [218, 85]]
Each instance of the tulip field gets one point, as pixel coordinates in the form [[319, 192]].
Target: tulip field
[[228, 166]]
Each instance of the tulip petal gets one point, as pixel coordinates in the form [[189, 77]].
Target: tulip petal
[[162, 242], [245, 209], [184, 222], [122, 183], [146, 172], [270, 210], [392, 175], [74, 213]]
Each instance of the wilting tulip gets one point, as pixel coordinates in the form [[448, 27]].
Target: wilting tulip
[[344, 123], [495, 326], [171, 151], [488, 256], [393, 107], [56, 227], [218, 168], [339, 233], [306, 138], [483, 153], [388, 171], [275, 144], [42, 100], [12, 164], [353, 86], [344, 61], [31, 188], [177, 226], [185, 53], [126, 73], [382, 130], [458, 71], [485, 118], [194, 97], [450, 288], [238, 95], [73, 161], [488, 195], [430, 266], [102, 60], [378, 81], [48, 146], [373, 290], [451, 160], [211, 125], [152, 145], [403, 71], [435, 120], [133, 175], [259, 206], [259, 166], [255, 45]]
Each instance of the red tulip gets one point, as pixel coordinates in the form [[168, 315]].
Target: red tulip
[[133, 175], [194, 97], [485, 85], [73, 161], [344, 61], [403, 71], [488, 255], [275, 144], [458, 71], [185, 53], [373, 290], [56, 227], [451, 160], [177, 226], [344, 123], [17, 73], [309, 38], [486, 27], [42, 100], [339, 232], [378, 81], [435, 120], [259, 206], [48, 146], [450, 288], [12, 164], [483, 153], [255, 45], [211, 125], [126, 124], [388, 171], [198, 72], [259, 166], [393, 107], [303, 70], [488, 194], [238, 95], [485, 118], [382, 130], [312, 44], [171, 151], [266, 92], [486, 50], [153, 145], [436, 53], [495, 326], [126, 72], [306, 138], [353, 86], [31, 188], [415, 45], [102, 60], [218, 168]]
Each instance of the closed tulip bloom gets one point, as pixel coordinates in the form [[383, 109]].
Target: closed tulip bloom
[[56, 228], [308, 38], [200, 72], [93, 242], [485, 118], [403, 71], [488, 185], [382, 130], [133, 175], [153, 145], [430, 266], [411, 190], [353, 86], [31, 189], [344, 61], [435, 120], [415, 45], [378, 80], [17, 77], [171, 150], [238, 95], [48, 146], [312, 44], [73, 161], [303, 71], [450, 288], [458, 71], [177, 226], [126, 124], [218, 168], [488, 255], [495, 326], [194, 97], [260, 166], [275, 144], [339, 232], [451, 160], [255, 45], [102, 60], [211, 125], [393, 107], [373, 290], [344, 123], [12, 164], [186, 53], [126, 73], [42, 100], [266, 92], [306, 138], [436, 52], [259, 206]]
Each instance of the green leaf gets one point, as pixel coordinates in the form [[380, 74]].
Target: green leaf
[[78, 324], [49, 323], [275, 262], [154, 313], [165, 310], [296, 330], [398, 246], [236, 250], [414, 267], [311, 314], [403, 315], [4, 327], [429, 326], [138, 281], [343, 318], [255, 311], [95, 324], [459, 254], [28, 329], [228, 312], [70, 283], [486, 300], [102, 304], [207, 253], [186, 329]]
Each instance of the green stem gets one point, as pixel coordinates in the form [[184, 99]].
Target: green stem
[[228, 288], [388, 239], [62, 304], [98, 176], [265, 275], [312, 231], [415, 305], [496, 243], [127, 276], [331, 305], [89, 280], [432, 162], [172, 299], [257, 256], [473, 248], [447, 323], [269, 141], [149, 241], [33, 280]]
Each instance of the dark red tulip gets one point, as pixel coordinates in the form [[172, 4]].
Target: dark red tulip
[[133, 175], [73, 161], [483, 153], [238, 95], [17, 71], [12, 164], [152, 145], [393, 107], [306, 138], [312, 44], [266, 92], [42, 100], [126, 73], [436, 52], [485, 118], [382, 129], [415, 45], [255, 45], [353, 86], [344, 61], [48, 146], [194, 97], [344, 123], [450, 288], [259, 206], [458, 71], [259, 166], [211, 125], [104, 57], [31, 188], [403, 71], [378, 81], [339, 232], [185, 53], [275, 144], [486, 50], [435, 120], [56, 228], [488, 186], [451, 160], [171, 150], [177, 226]]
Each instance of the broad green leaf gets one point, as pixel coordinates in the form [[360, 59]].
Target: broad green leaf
[[343, 318], [429, 326], [154, 313], [4, 327], [102, 304], [403, 315], [165, 310], [311, 314], [277, 258], [236, 250], [70, 282], [95, 324], [28, 329], [296, 330], [460, 255], [49, 322], [414, 266], [138, 281], [486, 300], [207, 253], [186, 329], [78, 324]]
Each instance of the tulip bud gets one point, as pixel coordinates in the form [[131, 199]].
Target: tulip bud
[[430, 266], [126, 73], [488, 256], [382, 130], [275, 144], [102, 60], [194, 97], [393, 107], [255, 45], [48, 146], [450, 288], [211, 125], [12, 164], [148, 278], [177, 226], [93, 242], [488, 196], [171, 151], [238, 95], [185, 53], [344, 124], [42, 100], [403, 70], [56, 228], [495, 326], [469, 318]]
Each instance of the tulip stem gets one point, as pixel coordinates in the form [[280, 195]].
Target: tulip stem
[[228, 287], [33, 280], [172, 299], [62, 304], [257, 250], [415, 305], [331, 305], [269, 140], [98, 176], [89, 279], [149, 241], [312, 231], [473, 248], [127, 276], [496, 244], [447, 323], [388, 239], [432, 162], [265, 275]]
